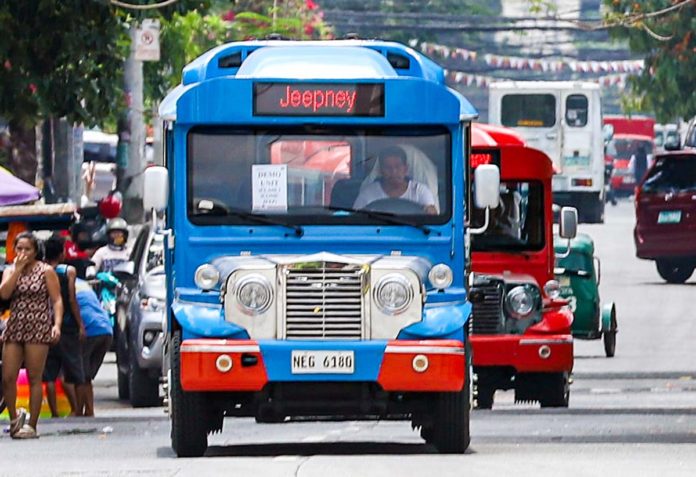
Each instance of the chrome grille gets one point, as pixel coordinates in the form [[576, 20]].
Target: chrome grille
[[487, 315], [324, 302]]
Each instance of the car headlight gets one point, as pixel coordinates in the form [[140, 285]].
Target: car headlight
[[206, 277], [393, 294], [440, 276], [520, 302], [254, 293], [552, 289]]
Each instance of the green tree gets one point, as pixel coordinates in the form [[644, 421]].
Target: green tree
[[668, 41], [56, 59]]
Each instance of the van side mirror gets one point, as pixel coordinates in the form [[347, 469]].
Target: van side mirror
[[156, 188], [487, 192], [569, 222], [608, 132]]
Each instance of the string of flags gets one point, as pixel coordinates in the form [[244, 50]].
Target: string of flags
[[521, 63], [482, 81]]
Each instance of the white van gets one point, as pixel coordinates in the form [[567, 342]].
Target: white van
[[563, 119]]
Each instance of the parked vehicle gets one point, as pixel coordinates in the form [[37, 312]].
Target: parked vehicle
[[100, 149], [520, 330], [141, 311], [564, 120], [635, 124], [665, 228], [578, 273], [284, 298], [620, 150], [667, 137]]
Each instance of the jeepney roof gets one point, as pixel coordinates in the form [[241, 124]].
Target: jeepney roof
[[311, 60]]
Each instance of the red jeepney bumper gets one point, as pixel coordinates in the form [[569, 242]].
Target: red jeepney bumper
[[246, 365], [524, 353]]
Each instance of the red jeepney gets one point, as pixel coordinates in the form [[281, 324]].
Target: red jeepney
[[521, 329]]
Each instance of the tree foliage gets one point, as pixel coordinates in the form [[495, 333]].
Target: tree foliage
[[668, 82]]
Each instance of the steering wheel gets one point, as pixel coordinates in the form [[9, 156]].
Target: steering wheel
[[395, 206]]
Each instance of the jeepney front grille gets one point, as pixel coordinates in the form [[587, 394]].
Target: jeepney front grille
[[324, 302], [487, 315]]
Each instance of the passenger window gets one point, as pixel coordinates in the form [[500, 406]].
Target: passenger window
[[529, 110], [576, 110]]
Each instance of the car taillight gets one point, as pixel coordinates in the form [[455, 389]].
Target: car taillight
[[582, 182]]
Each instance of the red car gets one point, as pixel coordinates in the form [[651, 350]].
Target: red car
[[666, 215], [620, 149]]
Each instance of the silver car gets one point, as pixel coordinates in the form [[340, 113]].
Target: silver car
[[140, 315]]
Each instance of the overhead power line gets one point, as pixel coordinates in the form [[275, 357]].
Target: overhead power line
[[151, 6]]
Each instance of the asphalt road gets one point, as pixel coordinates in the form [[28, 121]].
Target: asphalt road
[[634, 414]]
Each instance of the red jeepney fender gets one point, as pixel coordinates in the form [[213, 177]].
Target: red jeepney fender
[[544, 347], [216, 365]]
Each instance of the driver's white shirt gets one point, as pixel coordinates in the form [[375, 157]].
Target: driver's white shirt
[[415, 192]]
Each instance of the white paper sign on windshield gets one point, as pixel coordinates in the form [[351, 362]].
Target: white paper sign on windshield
[[270, 187]]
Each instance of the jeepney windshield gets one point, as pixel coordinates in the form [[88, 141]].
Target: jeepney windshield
[[314, 175], [517, 224]]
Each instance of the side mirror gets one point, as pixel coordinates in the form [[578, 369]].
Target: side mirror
[[569, 223], [156, 188], [674, 144], [487, 193]]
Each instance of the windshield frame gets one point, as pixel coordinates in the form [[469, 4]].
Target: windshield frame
[[315, 215]]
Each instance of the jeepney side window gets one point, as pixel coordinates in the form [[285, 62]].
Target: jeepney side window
[[576, 110], [528, 110]]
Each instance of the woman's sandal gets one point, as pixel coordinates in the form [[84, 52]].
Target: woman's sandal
[[26, 432], [18, 423]]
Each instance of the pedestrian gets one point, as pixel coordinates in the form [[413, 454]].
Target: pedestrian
[[639, 163], [36, 316], [115, 251], [66, 355], [99, 336]]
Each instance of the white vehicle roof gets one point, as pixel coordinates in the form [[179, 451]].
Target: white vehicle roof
[[545, 85], [99, 137]]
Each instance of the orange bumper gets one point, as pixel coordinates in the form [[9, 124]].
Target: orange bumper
[[551, 353]]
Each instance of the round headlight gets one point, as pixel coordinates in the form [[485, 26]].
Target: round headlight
[[206, 277], [440, 276], [393, 294], [254, 293], [520, 302], [552, 289]]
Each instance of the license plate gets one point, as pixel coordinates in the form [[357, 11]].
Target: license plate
[[669, 217], [322, 362]]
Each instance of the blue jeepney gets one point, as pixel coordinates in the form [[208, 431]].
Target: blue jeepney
[[302, 281]]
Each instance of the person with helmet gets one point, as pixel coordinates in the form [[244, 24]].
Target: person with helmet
[[115, 251]]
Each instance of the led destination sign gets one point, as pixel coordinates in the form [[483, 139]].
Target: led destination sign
[[318, 99]]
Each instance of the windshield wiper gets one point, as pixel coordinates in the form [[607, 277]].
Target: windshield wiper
[[385, 217], [220, 210]]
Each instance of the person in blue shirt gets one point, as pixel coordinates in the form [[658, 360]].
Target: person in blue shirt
[[99, 333]]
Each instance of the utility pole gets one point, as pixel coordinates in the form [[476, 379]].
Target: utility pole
[[131, 177]]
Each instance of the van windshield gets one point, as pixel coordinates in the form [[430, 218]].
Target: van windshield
[[319, 176], [517, 224], [528, 110], [672, 174]]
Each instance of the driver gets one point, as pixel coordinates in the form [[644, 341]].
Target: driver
[[394, 183]]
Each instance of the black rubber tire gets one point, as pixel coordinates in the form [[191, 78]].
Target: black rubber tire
[[450, 430], [556, 392], [673, 272], [188, 411], [123, 385], [2, 397], [144, 389], [484, 397], [595, 212], [609, 337]]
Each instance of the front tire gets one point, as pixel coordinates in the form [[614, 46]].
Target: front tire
[[144, 389], [450, 431], [188, 411], [673, 272], [595, 212], [556, 392], [609, 337]]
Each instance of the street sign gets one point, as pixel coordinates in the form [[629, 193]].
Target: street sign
[[147, 47]]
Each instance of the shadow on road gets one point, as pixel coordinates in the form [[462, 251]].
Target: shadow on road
[[306, 449]]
